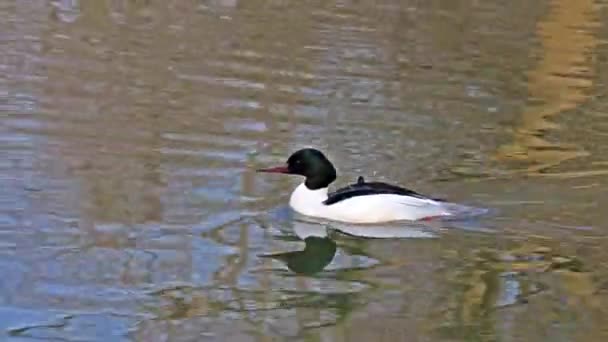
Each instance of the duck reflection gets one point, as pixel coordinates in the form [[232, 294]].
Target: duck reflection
[[320, 247], [317, 254]]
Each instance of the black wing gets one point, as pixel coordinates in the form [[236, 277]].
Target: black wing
[[361, 188]]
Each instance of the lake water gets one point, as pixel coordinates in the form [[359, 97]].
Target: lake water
[[130, 132]]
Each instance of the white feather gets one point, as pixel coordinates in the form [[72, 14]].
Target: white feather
[[364, 209]]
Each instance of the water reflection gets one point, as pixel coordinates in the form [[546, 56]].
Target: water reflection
[[497, 283], [317, 254], [320, 242], [320, 247], [558, 84]]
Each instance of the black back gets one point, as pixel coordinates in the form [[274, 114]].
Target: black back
[[362, 188]]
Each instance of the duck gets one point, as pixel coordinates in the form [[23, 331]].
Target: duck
[[361, 202]]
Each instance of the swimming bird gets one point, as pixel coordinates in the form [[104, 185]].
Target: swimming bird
[[361, 202]]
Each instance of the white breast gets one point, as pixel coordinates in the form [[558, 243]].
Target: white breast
[[364, 209]]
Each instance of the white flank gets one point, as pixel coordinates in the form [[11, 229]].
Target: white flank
[[364, 209]]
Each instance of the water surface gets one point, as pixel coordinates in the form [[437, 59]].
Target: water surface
[[129, 132]]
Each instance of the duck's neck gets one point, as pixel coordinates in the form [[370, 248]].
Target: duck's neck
[[321, 178], [304, 199]]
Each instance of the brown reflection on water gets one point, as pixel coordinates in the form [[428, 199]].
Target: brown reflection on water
[[560, 82]]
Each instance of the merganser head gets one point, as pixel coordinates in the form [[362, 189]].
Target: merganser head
[[310, 163]]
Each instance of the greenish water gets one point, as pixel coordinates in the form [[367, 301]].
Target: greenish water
[[130, 132]]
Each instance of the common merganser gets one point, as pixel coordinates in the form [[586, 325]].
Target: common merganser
[[361, 202]]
